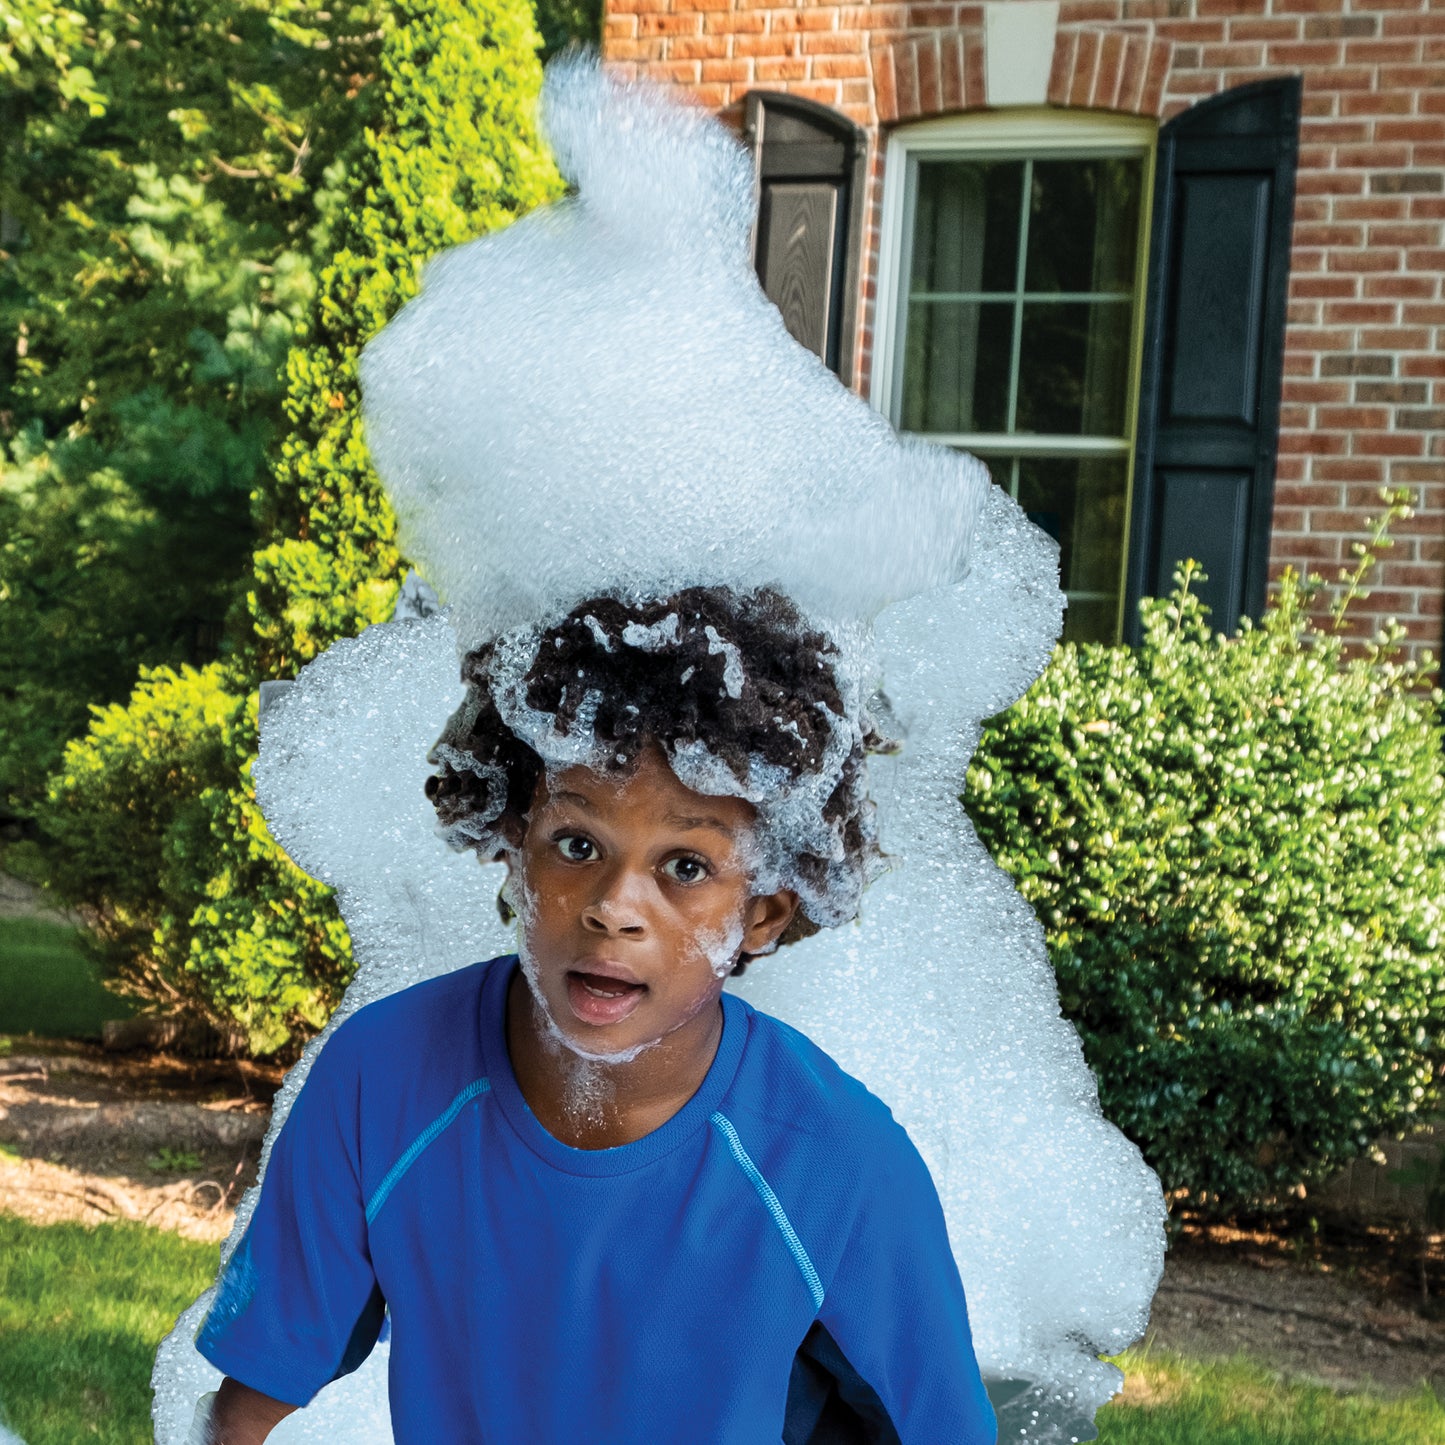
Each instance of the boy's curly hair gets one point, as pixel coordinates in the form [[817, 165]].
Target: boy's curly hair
[[740, 674]]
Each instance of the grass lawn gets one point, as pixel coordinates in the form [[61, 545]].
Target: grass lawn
[[81, 1313], [1172, 1401], [47, 984]]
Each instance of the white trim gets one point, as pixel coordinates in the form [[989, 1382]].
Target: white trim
[[1041, 132]]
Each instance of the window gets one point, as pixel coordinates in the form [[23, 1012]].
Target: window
[[1013, 270]]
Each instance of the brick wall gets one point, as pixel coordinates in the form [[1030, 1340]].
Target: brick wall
[[1364, 389]]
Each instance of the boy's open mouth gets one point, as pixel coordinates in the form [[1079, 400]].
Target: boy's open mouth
[[596, 998]]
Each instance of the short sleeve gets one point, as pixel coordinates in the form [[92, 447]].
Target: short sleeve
[[897, 1336], [297, 1304]]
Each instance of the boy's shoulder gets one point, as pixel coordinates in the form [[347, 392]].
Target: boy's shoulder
[[435, 1013], [795, 1086], [413, 1046]]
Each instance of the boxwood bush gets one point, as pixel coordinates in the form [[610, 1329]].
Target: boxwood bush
[[1237, 850]]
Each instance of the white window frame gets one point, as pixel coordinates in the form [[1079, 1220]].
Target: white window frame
[[1045, 134]]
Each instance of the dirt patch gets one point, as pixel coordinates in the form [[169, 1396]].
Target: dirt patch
[[1324, 1299], [90, 1137]]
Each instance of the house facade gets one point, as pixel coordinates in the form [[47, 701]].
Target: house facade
[[1173, 268]]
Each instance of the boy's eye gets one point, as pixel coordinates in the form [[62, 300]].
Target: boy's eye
[[575, 848], [685, 870]]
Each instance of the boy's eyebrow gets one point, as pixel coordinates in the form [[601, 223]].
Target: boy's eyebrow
[[679, 820]]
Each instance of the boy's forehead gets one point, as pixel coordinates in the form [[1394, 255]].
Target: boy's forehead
[[648, 784]]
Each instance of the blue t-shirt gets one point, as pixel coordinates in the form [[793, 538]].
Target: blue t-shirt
[[770, 1264]]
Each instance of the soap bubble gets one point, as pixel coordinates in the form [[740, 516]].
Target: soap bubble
[[600, 401]]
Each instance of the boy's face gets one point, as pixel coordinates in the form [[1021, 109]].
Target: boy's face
[[637, 902]]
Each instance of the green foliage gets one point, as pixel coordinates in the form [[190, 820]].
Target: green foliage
[[152, 812], [1237, 849], [173, 1161], [156, 263], [194, 905], [81, 1313]]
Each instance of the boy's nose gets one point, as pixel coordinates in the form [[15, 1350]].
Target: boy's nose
[[616, 912]]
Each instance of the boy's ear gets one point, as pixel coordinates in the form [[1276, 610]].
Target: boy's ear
[[766, 917]]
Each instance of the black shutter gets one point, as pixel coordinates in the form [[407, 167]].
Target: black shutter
[[1213, 350], [811, 168]]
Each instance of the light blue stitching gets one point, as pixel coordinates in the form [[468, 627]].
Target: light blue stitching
[[427, 1136], [775, 1208]]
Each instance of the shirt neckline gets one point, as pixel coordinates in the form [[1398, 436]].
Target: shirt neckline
[[623, 1158]]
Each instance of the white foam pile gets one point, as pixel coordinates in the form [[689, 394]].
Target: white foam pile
[[600, 400]]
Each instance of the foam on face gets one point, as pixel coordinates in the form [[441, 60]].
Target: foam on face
[[601, 399]]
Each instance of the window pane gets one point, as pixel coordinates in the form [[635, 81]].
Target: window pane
[[1073, 368], [966, 226], [955, 376], [1084, 225], [1079, 502]]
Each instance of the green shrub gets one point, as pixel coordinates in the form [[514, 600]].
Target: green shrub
[[1237, 850], [153, 808]]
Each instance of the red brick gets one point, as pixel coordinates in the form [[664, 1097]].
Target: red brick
[[1422, 366], [793, 67], [1330, 183], [1359, 95], [905, 67], [1273, 29], [1373, 157], [1408, 77], [1353, 418], [1316, 443], [1336, 235], [822, 18], [1401, 288], [1376, 258], [840, 67], [1337, 132], [669, 25], [1227, 57], [700, 47], [1381, 52], [829, 42], [769, 45], [950, 71], [1307, 54], [1424, 128], [1081, 84], [1371, 208], [825, 92], [1426, 258], [975, 84], [930, 96], [1398, 338], [1418, 233], [1347, 469], [1315, 391], [620, 27], [1324, 287], [1110, 74], [1390, 444], [735, 22], [722, 70], [885, 92]]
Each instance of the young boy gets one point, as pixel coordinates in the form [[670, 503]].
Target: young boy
[[602, 1201]]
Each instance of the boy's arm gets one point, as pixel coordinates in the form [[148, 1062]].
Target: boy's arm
[[237, 1415], [298, 1304], [895, 1332]]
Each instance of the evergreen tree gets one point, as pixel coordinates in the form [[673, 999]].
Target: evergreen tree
[[448, 151]]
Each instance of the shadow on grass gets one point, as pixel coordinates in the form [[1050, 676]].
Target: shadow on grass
[[81, 1313], [49, 984]]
